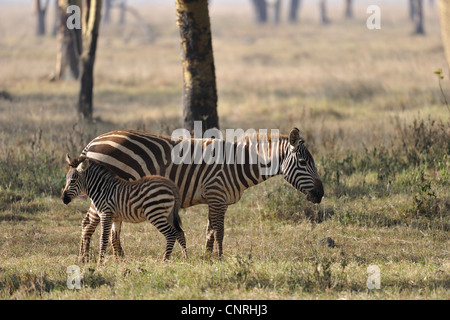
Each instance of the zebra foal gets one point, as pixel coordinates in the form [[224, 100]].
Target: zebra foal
[[151, 198]]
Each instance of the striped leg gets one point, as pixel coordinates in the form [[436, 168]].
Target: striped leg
[[171, 236], [88, 226], [182, 241], [115, 239], [215, 231], [106, 224], [210, 237], [170, 233]]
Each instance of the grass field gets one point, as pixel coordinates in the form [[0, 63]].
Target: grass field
[[367, 102]]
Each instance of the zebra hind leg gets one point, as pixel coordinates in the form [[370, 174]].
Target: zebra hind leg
[[182, 242], [171, 236], [115, 239]]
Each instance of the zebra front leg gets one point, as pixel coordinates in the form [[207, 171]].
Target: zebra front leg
[[215, 232], [106, 224], [88, 226], [115, 239], [210, 238]]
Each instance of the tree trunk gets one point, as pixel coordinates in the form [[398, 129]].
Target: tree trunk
[[107, 12], [69, 43], [412, 9], [261, 10], [277, 11], [122, 12], [323, 12], [90, 28], [349, 9], [293, 10], [199, 92], [418, 17], [40, 14], [444, 15], [55, 18]]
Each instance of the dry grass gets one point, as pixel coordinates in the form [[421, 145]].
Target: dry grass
[[367, 102]]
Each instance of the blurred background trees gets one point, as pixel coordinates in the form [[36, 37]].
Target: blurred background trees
[[76, 48]]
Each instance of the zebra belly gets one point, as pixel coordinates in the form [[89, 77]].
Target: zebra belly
[[138, 218]]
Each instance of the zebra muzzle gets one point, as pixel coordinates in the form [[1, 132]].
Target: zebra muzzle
[[316, 194], [65, 198]]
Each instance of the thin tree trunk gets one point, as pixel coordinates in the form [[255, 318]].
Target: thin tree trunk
[[412, 9], [349, 9], [323, 12], [293, 10], [277, 11], [261, 10], [69, 43], [199, 91], [107, 12], [90, 28], [40, 12], [122, 12], [55, 18], [419, 29]]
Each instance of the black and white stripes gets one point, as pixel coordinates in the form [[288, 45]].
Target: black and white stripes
[[134, 154], [151, 198]]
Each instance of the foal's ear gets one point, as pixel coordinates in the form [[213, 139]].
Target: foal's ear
[[83, 165], [294, 137], [68, 159]]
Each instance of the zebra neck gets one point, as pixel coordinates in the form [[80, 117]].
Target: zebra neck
[[99, 183], [271, 159]]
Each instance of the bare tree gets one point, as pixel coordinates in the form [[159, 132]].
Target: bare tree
[[293, 10], [107, 11], [199, 91], [411, 9], [276, 11], [349, 9], [260, 10], [416, 14], [122, 7], [55, 18], [323, 12], [40, 11], [90, 28], [69, 43]]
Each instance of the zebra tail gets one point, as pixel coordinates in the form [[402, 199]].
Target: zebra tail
[[174, 217]]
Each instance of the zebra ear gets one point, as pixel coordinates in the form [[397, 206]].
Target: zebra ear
[[83, 165], [294, 137], [68, 159]]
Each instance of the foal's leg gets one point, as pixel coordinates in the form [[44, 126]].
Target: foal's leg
[[182, 241], [106, 224], [115, 239], [88, 226]]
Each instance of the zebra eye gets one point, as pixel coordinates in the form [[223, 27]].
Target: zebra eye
[[302, 163]]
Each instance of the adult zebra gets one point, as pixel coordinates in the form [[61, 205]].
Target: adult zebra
[[134, 154]]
